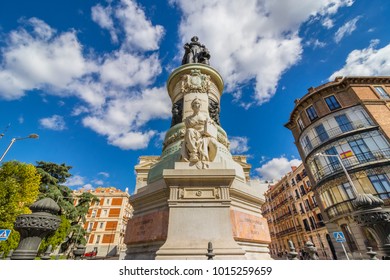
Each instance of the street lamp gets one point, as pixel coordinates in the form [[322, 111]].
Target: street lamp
[[33, 136], [344, 169]]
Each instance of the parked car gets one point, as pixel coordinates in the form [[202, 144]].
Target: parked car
[[90, 254]]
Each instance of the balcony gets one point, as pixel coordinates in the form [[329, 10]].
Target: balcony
[[332, 133], [351, 162], [339, 209]]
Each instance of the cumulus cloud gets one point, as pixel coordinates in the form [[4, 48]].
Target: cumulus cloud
[[75, 180], [54, 122], [114, 88], [366, 62], [346, 29], [238, 144], [276, 168], [253, 40], [104, 174]]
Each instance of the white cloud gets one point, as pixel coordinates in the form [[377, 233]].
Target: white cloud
[[40, 60], [316, 43], [87, 187], [327, 23], [103, 17], [346, 29], [366, 62], [238, 144], [21, 119], [54, 122], [112, 87], [98, 182], [253, 40], [104, 174], [75, 180], [276, 168]]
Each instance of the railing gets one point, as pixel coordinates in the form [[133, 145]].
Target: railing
[[339, 209], [351, 162], [332, 133]]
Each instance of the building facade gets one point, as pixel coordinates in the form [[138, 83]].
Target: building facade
[[106, 221], [341, 130], [292, 213]]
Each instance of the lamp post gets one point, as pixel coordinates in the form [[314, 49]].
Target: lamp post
[[13, 140]]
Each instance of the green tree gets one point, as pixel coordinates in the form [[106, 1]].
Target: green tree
[[53, 179], [19, 188]]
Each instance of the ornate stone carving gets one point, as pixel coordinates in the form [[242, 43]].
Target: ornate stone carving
[[45, 223], [177, 112], [195, 82]]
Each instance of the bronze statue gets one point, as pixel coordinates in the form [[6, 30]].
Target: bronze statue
[[195, 52]]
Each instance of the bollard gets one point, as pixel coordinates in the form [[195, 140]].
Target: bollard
[[292, 255], [210, 255], [311, 251], [371, 254]]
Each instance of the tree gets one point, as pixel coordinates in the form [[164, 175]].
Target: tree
[[53, 178], [19, 188]]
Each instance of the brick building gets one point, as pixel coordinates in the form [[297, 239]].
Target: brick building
[[106, 221], [293, 214], [345, 123]]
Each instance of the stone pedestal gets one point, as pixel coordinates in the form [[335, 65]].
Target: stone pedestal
[[199, 212]]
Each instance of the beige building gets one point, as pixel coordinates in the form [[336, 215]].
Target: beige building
[[106, 221], [345, 123], [293, 214]]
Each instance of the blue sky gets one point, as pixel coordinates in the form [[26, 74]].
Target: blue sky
[[89, 76]]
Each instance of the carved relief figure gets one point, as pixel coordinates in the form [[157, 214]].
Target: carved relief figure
[[195, 52], [200, 144]]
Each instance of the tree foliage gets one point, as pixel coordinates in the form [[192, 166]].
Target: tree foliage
[[19, 188], [53, 180]]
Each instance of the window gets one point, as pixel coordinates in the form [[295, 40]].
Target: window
[[381, 185], [311, 113], [101, 225], [306, 224], [312, 222], [333, 161], [344, 123], [301, 207], [347, 188], [90, 226], [382, 93], [97, 239], [108, 201], [104, 213], [303, 192], [296, 194], [307, 205], [93, 213], [332, 102], [307, 143], [300, 124], [361, 150], [321, 132]]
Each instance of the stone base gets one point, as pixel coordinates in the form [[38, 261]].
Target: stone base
[[175, 218], [145, 251]]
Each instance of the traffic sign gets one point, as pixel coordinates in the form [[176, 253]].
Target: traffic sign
[[4, 233], [339, 236]]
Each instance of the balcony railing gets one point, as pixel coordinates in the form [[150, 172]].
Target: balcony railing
[[332, 133], [351, 162], [339, 209]]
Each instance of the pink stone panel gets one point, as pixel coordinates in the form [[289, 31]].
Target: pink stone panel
[[249, 228], [147, 228]]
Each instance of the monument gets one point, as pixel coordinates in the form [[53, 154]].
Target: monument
[[195, 192]]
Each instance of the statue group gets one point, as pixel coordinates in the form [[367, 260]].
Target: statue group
[[195, 52]]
